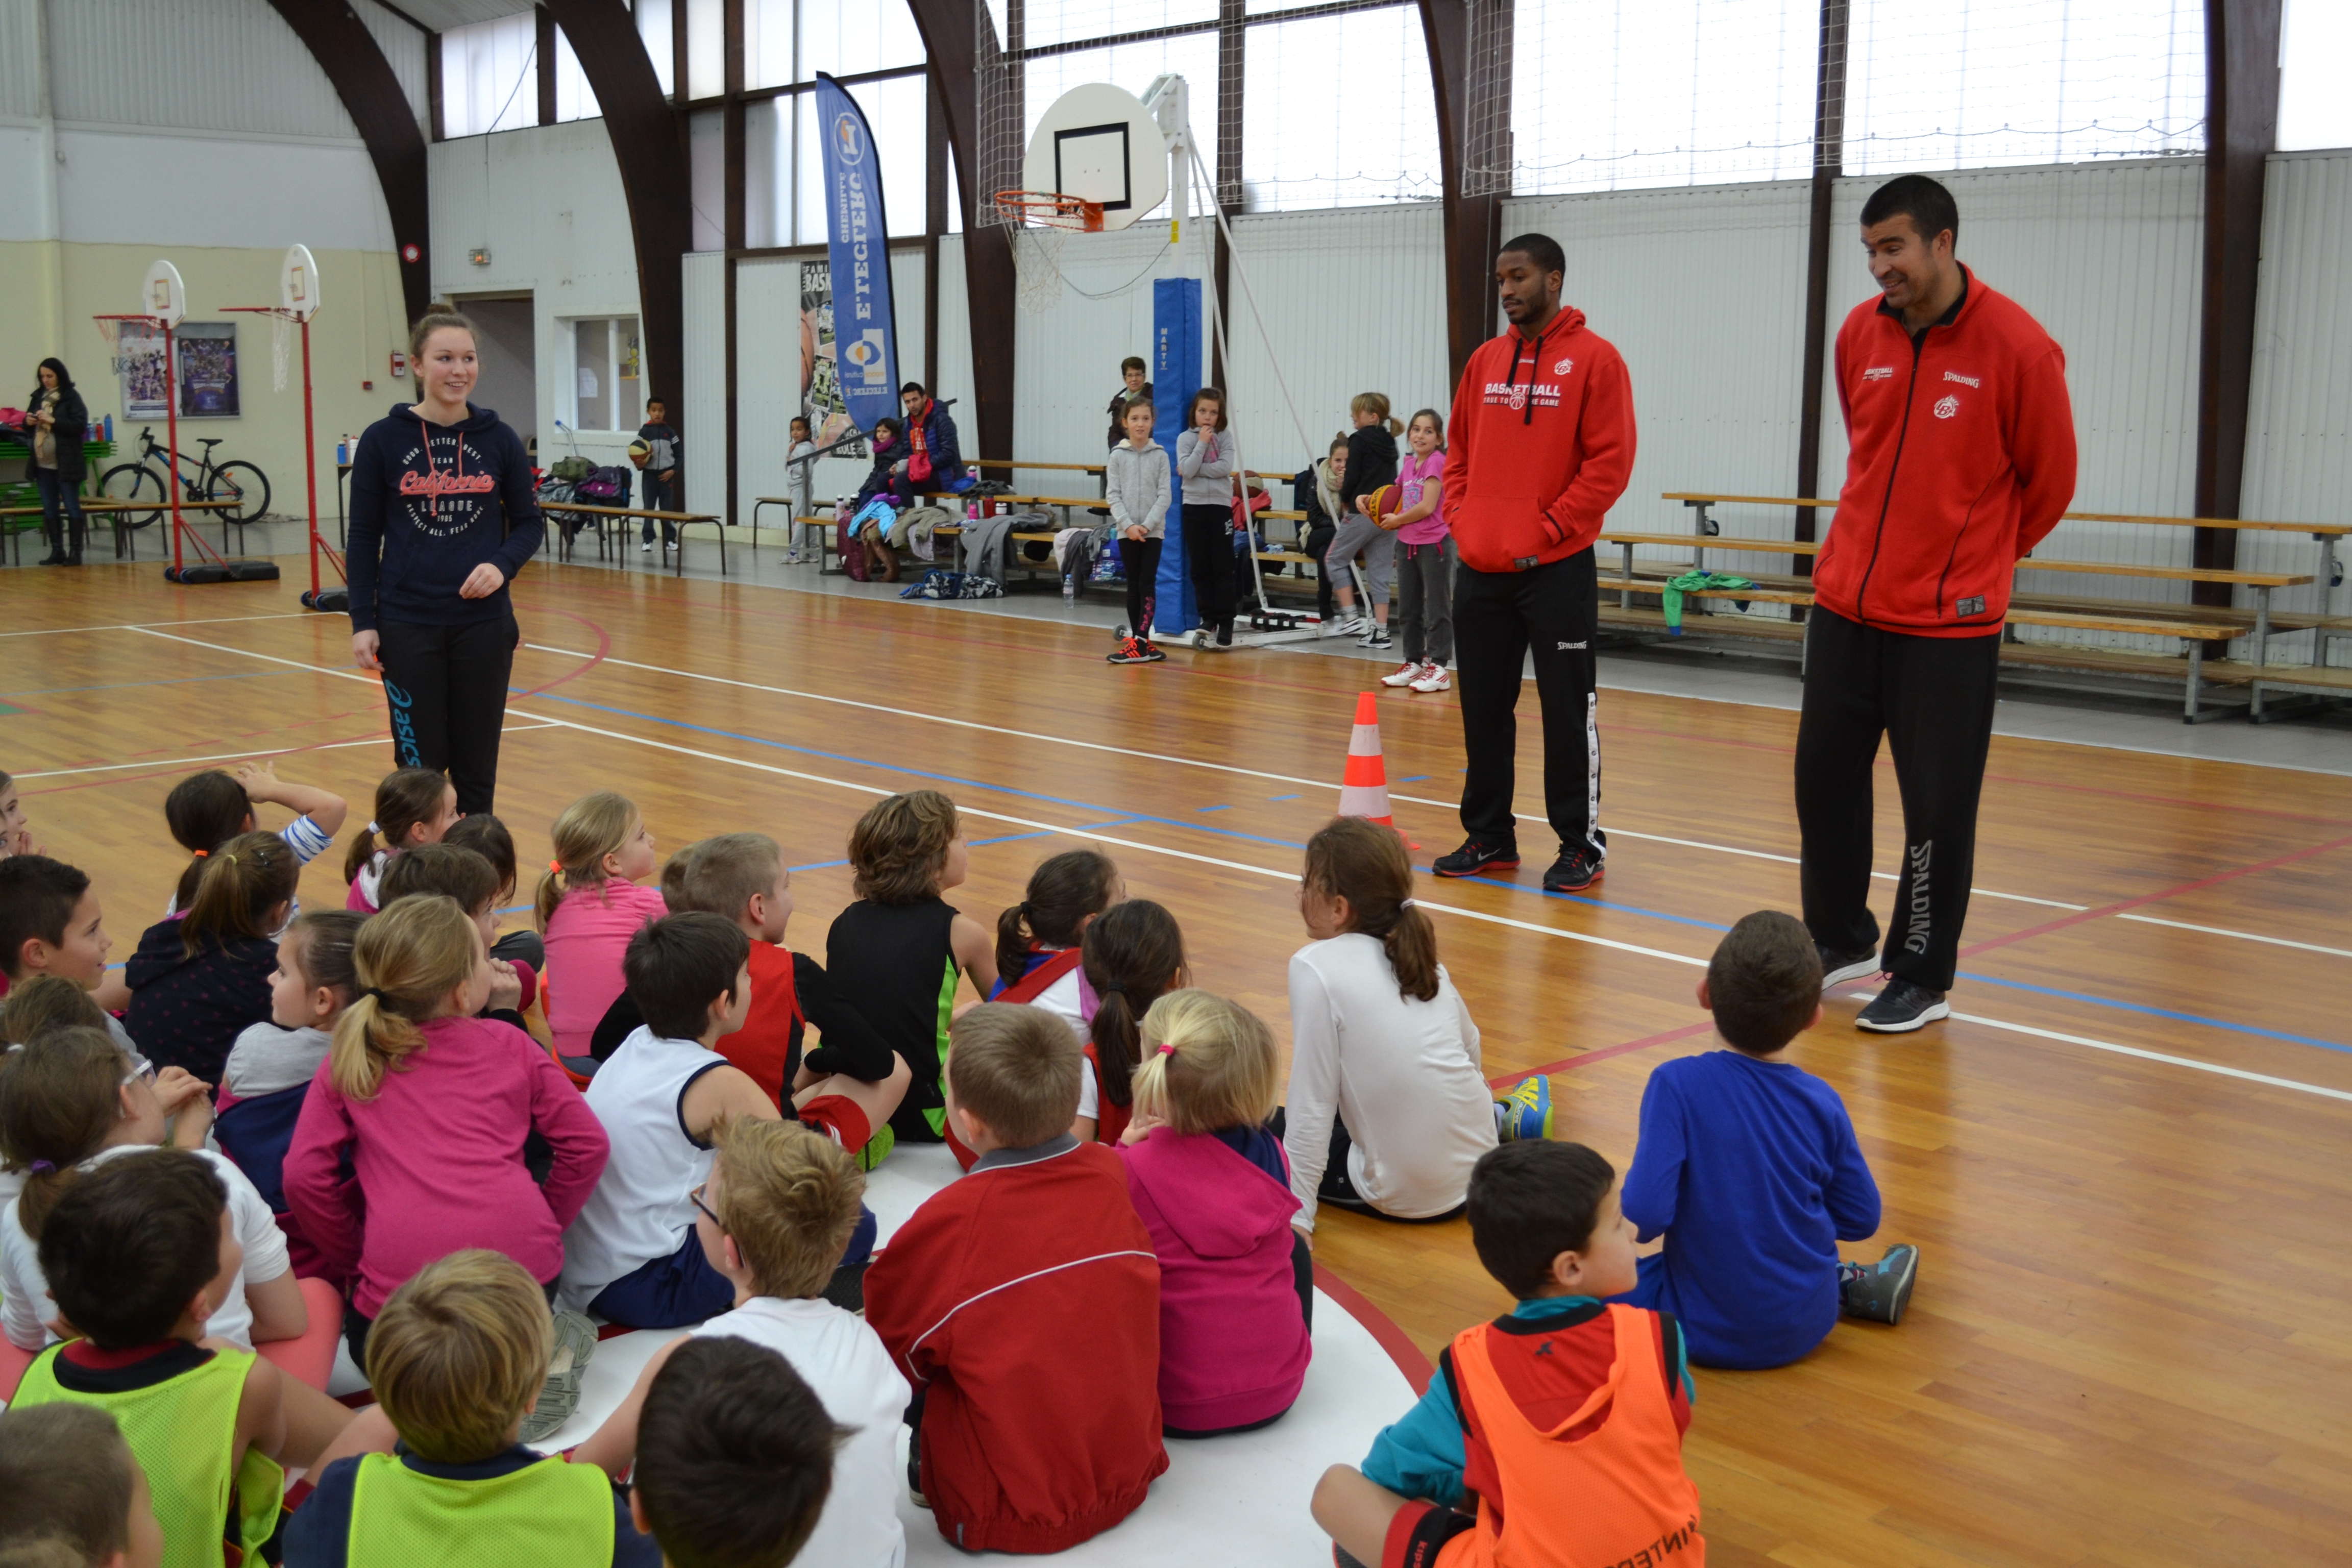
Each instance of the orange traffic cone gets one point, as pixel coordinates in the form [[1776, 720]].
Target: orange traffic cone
[[1364, 787]]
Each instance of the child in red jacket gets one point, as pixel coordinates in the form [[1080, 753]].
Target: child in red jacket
[[1023, 1302]]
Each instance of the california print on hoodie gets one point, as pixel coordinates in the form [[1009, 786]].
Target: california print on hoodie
[[434, 501]]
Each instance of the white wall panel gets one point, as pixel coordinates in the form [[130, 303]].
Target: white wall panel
[[955, 342], [20, 58], [206, 65], [704, 430], [2106, 257], [131, 185], [767, 375], [2299, 422], [1067, 357]]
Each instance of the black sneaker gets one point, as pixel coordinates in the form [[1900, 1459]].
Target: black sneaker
[[1877, 1292], [1837, 968], [1225, 635], [1476, 855], [1903, 1007], [1574, 872]]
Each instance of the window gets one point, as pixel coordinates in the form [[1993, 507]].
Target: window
[[1045, 23], [706, 47], [706, 159], [1192, 56], [652, 26], [489, 76], [607, 391], [768, 40], [2315, 58], [1337, 111], [843, 37], [574, 98]]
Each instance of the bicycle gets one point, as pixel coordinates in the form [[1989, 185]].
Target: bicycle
[[144, 480]]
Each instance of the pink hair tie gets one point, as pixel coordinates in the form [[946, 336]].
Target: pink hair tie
[[1167, 1050]]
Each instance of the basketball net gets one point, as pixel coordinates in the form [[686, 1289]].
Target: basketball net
[[109, 328], [281, 347], [1039, 222]]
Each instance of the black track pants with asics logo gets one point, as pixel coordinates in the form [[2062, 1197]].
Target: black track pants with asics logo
[[445, 689], [1932, 697], [1499, 618]]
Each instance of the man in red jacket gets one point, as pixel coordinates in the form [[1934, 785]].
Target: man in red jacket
[[1961, 460], [1543, 444]]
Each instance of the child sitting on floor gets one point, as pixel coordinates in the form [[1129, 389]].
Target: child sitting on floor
[[69, 1483], [1133, 955], [900, 948], [51, 923], [200, 979], [589, 907], [1564, 1417], [44, 1003], [1748, 1165], [779, 1207], [270, 1066], [15, 832], [469, 877], [66, 1110], [207, 810], [1387, 1107], [138, 1253], [455, 1362], [1023, 1300], [736, 1459], [631, 1257], [1037, 951], [431, 1105], [486, 836], [1211, 1184], [413, 806]]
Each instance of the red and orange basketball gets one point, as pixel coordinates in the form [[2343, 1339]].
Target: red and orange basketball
[[1382, 503]]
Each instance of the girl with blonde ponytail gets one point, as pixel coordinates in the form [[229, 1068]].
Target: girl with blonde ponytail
[[589, 906], [430, 1107], [1387, 1107], [202, 978], [1209, 1179]]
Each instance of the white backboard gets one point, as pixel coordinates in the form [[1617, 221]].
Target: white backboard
[[298, 282], [1099, 141], [163, 294]]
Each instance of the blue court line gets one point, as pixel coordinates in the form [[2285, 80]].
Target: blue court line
[[1282, 797], [2159, 1012], [120, 685], [1216, 809], [1413, 778], [1091, 808]]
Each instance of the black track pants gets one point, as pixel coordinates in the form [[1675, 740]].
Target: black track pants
[[446, 690], [1209, 555], [1499, 618], [1932, 697], [1139, 562]]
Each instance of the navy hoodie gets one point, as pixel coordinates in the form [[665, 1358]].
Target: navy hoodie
[[433, 512]]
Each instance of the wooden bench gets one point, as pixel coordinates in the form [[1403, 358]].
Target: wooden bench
[[2193, 624], [602, 517]]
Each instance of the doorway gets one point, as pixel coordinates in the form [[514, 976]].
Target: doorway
[[509, 381]]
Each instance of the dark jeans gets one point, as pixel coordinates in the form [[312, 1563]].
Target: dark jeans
[[1139, 562], [669, 1292], [1208, 556], [658, 496], [60, 509], [1318, 541], [1932, 697], [445, 687], [1499, 618], [1425, 599]]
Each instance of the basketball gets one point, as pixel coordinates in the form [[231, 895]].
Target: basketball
[[1382, 502], [639, 452]]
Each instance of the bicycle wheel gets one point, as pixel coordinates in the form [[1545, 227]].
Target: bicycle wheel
[[241, 483], [133, 482]]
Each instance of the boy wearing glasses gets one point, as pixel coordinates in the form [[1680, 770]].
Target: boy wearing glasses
[[631, 1257]]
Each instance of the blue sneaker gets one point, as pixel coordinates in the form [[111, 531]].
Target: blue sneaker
[[1525, 1113]]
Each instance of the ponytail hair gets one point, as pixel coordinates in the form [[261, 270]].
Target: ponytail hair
[[241, 883], [1210, 1063], [324, 938], [1133, 951], [590, 828], [44, 1004], [204, 812], [1061, 892], [1375, 403], [1364, 863], [59, 1098], [406, 960], [405, 798]]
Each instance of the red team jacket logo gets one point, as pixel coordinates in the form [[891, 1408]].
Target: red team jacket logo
[[415, 484], [1514, 396]]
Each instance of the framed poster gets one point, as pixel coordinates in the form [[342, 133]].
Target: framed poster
[[139, 360], [821, 396], [208, 387]]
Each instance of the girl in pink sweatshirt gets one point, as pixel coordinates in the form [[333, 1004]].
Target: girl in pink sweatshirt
[[1213, 1186], [589, 907], [431, 1105]]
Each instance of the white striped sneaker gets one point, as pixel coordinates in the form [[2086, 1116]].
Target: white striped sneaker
[[1405, 674], [1434, 679]]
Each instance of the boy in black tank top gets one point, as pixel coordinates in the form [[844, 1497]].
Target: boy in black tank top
[[900, 949]]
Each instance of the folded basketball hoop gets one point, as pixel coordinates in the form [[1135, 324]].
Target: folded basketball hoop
[[1040, 222]]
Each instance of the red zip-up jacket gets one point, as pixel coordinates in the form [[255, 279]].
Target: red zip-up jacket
[[1961, 462], [1541, 447], [1023, 1302]]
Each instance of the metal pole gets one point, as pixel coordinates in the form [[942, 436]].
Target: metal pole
[[171, 436], [311, 458]]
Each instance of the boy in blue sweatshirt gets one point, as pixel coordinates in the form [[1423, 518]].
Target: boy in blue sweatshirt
[[1749, 1167]]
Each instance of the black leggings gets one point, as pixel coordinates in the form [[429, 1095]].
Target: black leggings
[[1209, 554], [446, 690], [1139, 562]]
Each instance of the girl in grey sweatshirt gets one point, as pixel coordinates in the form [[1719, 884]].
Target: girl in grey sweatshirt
[[1204, 457], [1136, 489]]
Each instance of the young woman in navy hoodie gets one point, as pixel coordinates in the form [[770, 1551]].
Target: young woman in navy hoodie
[[444, 514]]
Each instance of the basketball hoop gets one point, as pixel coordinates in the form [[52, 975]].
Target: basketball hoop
[[1041, 221]]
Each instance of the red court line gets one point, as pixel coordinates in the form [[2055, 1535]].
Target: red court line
[[2080, 916], [1588, 1058], [1407, 1355]]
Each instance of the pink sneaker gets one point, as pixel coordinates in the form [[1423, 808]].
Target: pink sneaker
[[1434, 678], [1405, 674]]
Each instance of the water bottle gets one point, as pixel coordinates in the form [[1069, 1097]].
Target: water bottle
[[1070, 590]]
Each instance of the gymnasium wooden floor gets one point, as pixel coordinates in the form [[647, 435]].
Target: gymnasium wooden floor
[[2126, 1162]]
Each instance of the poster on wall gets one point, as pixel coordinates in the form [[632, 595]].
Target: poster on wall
[[822, 399], [139, 356], [207, 370]]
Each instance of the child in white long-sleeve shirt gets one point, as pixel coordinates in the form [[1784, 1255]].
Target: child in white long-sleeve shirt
[[802, 539]]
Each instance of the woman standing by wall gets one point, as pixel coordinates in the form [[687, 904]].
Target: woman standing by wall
[[443, 516], [55, 418]]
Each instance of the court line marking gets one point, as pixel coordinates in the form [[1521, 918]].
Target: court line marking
[[1584, 937], [167, 763], [2246, 936], [142, 626]]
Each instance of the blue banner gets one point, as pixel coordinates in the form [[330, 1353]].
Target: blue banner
[[865, 330]]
